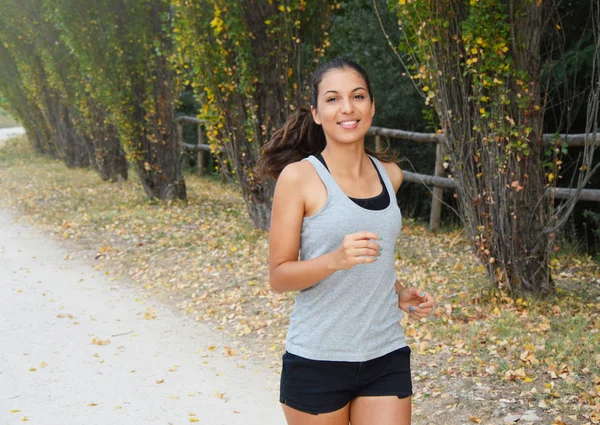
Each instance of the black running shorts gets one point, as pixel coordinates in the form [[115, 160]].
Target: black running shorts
[[317, 386]]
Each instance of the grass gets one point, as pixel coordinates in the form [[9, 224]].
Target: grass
[[205, 256]]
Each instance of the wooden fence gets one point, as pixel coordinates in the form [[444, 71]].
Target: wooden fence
[[438, 182]]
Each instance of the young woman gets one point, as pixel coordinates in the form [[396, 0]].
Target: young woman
[[334, 227]]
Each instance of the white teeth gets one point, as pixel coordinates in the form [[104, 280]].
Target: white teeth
[[348, 122]]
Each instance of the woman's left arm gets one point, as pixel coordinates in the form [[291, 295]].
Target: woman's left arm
[[414, 301]]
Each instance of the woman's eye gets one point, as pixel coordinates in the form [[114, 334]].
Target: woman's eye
[[331, 99], [359, 96]]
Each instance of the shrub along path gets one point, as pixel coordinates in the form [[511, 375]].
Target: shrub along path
[[481, 358]]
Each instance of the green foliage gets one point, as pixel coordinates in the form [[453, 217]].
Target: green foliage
[[249, 64], [478, 65], [122, 48], [219, 53]]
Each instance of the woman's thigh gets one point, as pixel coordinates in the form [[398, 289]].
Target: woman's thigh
[[380, 410], [296, 417]]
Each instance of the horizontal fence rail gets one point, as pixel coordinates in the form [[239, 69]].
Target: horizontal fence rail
[[437, 181]]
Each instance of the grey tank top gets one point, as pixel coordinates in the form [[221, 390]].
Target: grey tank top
[[352, 315]]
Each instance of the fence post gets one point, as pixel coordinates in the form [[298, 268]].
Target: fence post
[[438, 192], [200, 160], [378, 144], [180, 141], [180, 133]]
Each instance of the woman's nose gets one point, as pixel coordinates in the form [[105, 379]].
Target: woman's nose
[[347, 106]]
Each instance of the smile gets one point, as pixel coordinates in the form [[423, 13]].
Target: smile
[[348, 124]]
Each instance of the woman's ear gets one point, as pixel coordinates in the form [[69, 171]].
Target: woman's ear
[[315, 115], [373, 108]]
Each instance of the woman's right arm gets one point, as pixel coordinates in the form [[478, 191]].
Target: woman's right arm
[[286, 272]]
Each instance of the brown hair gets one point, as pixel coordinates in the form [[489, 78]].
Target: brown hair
[[300, 136]]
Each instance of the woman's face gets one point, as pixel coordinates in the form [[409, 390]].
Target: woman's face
[[344, 108]]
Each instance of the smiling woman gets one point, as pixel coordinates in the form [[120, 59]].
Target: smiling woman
[[333, 232]]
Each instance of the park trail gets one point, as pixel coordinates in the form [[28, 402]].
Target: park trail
[[79, 349], [7, 133]]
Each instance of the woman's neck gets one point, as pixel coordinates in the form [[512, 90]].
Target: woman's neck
[[346, 160]]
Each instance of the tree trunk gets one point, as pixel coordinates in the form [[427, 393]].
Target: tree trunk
[[156, 147], [110, 157], [500, 176]]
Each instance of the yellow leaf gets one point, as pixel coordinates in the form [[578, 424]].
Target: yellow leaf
[[211, 348], [402, 1], [43, 365], [32, 369], [194, 420], [98, 341], [15, 411], [160, 381], [475, 419], [24, 419], [92, 404]]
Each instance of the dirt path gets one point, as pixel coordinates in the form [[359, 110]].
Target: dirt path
[[76, 348], [7, 133]]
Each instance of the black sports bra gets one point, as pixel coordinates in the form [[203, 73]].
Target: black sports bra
[[379, 202]]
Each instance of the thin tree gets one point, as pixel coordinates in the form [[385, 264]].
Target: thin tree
[[249, 62], [478, 64], [123, 48]]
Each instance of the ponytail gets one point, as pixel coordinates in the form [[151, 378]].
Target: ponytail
[[299, 138]]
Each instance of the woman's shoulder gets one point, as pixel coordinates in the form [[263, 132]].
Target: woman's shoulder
[[297, 171], [297, 174], [394, 172]]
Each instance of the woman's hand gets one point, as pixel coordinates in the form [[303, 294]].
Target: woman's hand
[[356, 248], [415, 302]]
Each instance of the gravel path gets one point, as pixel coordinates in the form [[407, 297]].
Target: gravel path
[[7, 133], [77, 348]]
